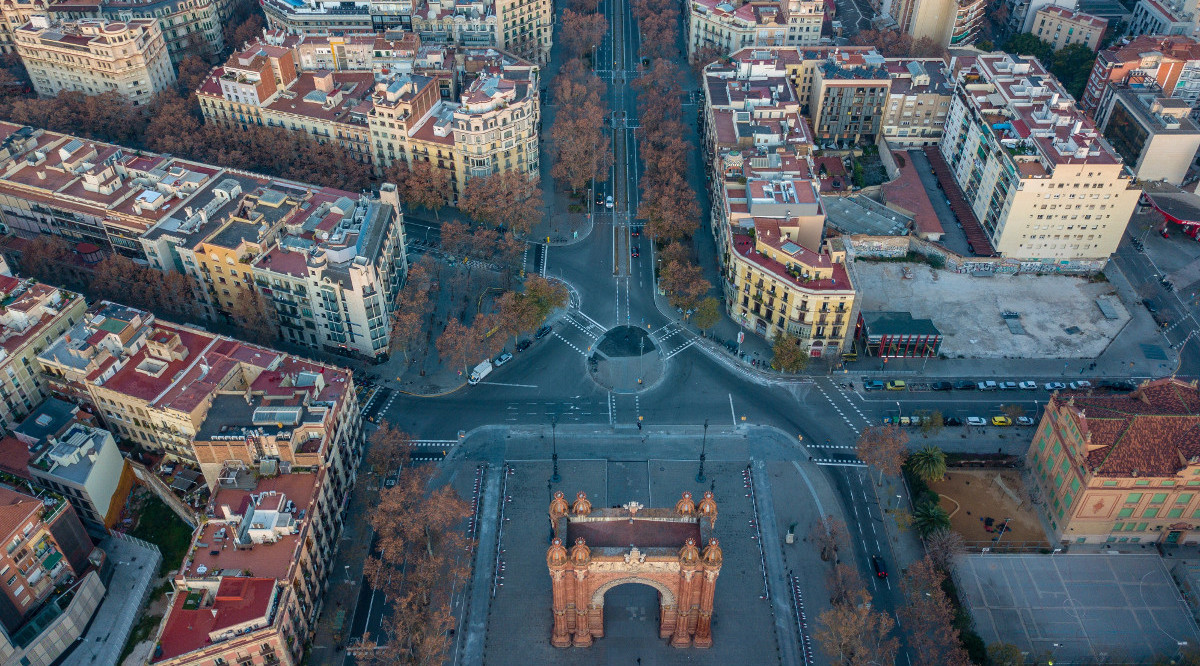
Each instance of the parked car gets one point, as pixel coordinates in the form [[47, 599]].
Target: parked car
[[1024, 420], [1116, 385], [1008, 386], [1149, 305], [872, 385], [1081, 385], [896, 385], [1028, 386], [941, 386], [906, 420], [503, 358], [987, 386], [965, 385], [976, 421], [1055, 386], [889, 420], [543, 331], [880, 569], [952, 421], [1001, 421], [523, 345]]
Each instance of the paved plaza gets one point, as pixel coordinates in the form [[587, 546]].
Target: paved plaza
[[518, 629], [1075, 608]]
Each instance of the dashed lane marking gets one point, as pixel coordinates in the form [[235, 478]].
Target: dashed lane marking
[[570, 344], [837, 462], [680, 348]]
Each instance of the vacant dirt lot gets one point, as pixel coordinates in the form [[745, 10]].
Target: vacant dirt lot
[[973, 496], [1058, 314]]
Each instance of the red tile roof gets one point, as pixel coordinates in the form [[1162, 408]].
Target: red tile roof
[[16, 510], [14, 457], [239, 602], [1152, 432], [907, 192]]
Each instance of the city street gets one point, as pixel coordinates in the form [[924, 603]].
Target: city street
[[507, 416]]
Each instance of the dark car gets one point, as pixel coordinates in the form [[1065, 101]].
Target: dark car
[[1149, 305], [952, 421], [941, 386], [543, 331], [880, 569], [636, 231], [523, 345], [965, 385], [635, 252]]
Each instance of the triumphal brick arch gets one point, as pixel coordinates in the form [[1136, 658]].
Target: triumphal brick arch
[[671, 550]]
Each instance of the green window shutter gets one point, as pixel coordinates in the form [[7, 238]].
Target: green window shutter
[[1193, 483], [1150, 513], [1117, 527], [1158, 498], [1168, 484], [1142, 527], [1184, 498], [1174, 513], [1141, 482], [1196, 514], [1133, 498], [1074, 485], [1067, 501], [1125, 513], [1058, 480], [1110, 484], [1042, 445], [1065, 466]]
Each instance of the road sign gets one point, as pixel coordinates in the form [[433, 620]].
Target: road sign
[[741, 337]]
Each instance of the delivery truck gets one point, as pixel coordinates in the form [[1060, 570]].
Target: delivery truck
[[482, 370]]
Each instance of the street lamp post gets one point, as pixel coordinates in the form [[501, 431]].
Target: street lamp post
[[554, 443], [703, 447]]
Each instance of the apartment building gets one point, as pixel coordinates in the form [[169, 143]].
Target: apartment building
[[1120, 468], [1021, 13], [280, 455], [730, 26], [493, 127], [84, 465], [1062, 27], [87, 352], [34, 315], [334, 279], [780, 274], [1153, 134], [848, 97], [1163, 17], [187, 26], [384, 53], [747, 108], [1170, 62], [1043, 184], [44, 545], [95, 56], [918, 102], [946, 22], [522, 27], [261, 86]]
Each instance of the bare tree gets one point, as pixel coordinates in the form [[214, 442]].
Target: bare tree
[[852, 634], [842, 582], [387, 449], [928, 617], [943, 546], [829, 533], [883, 447]]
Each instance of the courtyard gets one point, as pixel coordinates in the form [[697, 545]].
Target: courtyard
[[1088, 608], [1056, 316]]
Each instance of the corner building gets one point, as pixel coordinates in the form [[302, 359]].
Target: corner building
[[1045, 186]]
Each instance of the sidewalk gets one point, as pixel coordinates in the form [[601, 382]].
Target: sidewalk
[[345, 578]]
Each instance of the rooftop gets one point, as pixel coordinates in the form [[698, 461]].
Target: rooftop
[[46, 420], [199, 618], [1152, 432], [16, 510], [1072, 15], [897, 323], [72, 454]]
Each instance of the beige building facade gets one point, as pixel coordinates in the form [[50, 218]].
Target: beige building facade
[[729, 27], [1120, 468], [946, 22], [1043, 184], [96, 56], [1062, 27]]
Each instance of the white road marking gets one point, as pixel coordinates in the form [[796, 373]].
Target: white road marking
[[569, 344], [732, 414], [516, 385]]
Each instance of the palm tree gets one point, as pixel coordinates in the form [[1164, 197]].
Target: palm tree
[[929, 464], [929, 517]]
